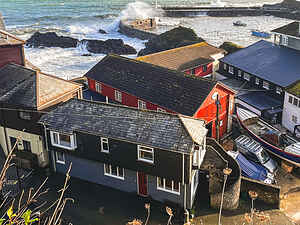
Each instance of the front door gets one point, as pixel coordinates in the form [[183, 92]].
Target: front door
[[142, 180]]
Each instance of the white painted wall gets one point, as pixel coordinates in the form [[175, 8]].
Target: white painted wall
[[36, 143], [290, 110]]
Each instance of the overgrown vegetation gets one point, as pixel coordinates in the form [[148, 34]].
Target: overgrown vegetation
[[230, 47]]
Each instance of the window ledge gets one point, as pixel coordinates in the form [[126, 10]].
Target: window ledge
[[61, 162], [109, 175], [145, 160], [65, 147], [169, 191]]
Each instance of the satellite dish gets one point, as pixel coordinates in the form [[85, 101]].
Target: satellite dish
[[214, 96]]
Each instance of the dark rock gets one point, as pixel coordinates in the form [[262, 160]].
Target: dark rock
[[115, 46], [177, 37], [102, 31], [230, 47], [51, 39]]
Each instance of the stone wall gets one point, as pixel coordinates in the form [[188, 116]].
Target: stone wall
[[269, 194], [127, 29], [216, 160]]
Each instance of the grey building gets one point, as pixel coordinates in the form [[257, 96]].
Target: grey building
[[154, 154]]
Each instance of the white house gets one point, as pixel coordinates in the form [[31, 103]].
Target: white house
[[291, 107]]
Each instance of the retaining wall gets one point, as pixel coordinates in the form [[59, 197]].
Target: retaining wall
[[128, 30]]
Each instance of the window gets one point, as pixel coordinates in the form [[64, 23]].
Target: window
[[278, 90], [285, 40], [247, 76], [63, 140], [239, 73], [290, 99], [193, 71], [196, 155], [141, 104], [225, 66], [265, 85], [104, 145], [98, 87], [294, 119], [160, 110], [257, 81], [145, 154], [230, 70], [60, 157], [118, 96], [204, 68], [27, 146], [25, 115], [295, 102], [113, 171], [168, 185], [221, 123]]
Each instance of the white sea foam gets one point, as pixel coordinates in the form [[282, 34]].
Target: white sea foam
[[140, 10]]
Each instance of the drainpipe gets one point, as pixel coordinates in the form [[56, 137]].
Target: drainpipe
[[184, 194], [217, 120], [47, 148]]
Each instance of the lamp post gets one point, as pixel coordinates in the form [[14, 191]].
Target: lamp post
[[227, 171]]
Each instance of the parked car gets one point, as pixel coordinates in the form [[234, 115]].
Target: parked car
[[253, 151], [251, 169]]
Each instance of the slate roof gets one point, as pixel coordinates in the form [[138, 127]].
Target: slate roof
[[183, 58], [277, 64], [291, 29], [151, 128], [170, 89], [18, 86], [25, 87]]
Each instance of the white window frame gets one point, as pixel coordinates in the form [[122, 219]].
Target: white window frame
[[142, 104], [145, 149], [239, 73], [98, 87], [221, 123], [58, 160], [294, 118], [285, 40], [266, 85], [257, 81], [247, 76], [104, 140], [279, 90], [72, 139], [109, 173], [225, 66], [231, 69], [160, 110], [290, 98], [164, 186], [118, 96]]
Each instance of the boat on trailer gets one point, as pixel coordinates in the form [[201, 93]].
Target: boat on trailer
[[273, 140]]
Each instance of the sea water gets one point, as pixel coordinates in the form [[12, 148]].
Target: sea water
[[83, 19]]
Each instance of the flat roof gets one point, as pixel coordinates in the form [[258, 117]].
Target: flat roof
[[260, 100], [277, 64]]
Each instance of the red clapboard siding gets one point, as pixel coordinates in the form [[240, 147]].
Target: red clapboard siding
[[11, 54], [127, 99]]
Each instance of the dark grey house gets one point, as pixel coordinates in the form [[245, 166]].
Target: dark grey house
[[153, 154]]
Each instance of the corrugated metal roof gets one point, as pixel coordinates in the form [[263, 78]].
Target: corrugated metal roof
[[170, 89], [161, 130], [277, 64]]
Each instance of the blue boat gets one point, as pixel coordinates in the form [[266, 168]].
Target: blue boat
[[273, 140], [251, 169], [261, 34]]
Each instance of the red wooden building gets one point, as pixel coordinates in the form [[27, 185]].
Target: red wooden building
[[11, 49], [138, 84], [199, 59]]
